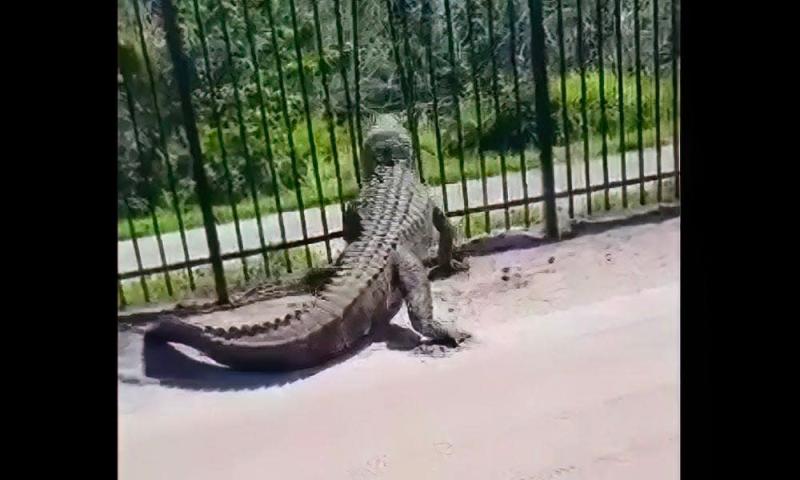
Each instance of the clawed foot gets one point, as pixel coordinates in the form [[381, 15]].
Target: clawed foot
[[448, 269], [451, 340]]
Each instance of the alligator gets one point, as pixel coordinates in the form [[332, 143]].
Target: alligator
[[389, 229]]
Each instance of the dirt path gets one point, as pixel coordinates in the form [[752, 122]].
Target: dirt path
[[573, 374]]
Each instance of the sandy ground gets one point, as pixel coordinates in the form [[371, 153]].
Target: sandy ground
[[572, 374]]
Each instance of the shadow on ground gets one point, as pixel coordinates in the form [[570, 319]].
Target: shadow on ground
[[144, 360]]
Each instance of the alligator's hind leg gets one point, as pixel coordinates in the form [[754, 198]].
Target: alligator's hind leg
[[446, 263], [416, 290]]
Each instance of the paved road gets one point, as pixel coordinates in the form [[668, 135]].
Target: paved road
[[196, 240], [573, 374]]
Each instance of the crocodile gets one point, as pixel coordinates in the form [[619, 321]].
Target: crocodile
[[389, 229]]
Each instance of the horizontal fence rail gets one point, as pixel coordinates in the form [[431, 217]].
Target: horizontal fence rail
[[240, 121]]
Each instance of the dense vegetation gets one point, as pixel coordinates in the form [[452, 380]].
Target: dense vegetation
[[240, 63]]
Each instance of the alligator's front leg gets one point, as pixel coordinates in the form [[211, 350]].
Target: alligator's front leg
[[351, 223], [446, 264], [416, 290]]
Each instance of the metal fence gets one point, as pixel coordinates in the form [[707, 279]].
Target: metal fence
[[240, 120]]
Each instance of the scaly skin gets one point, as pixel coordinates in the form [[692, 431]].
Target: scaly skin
[[389, 229]]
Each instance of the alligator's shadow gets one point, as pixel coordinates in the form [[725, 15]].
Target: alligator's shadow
[[166, 365]]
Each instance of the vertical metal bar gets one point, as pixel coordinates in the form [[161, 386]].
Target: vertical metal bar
[[163, 138], [396, 53], [427, 13], [621, 100], [136, 251], [406, 86], [181, 72], [603, 117], [584, 120], [495, 94], [564, 117], [160, 242], [512, 18], [216, 118], [639, 137], [146, 175], [265, 127], [477, 95], [544, 121], [657, 93], [250, 170], [411, 83], [323, 66], [675, 133], [310, 130], [356, 70], [122, 301], [288, 124], [457, 107], [345, 82]]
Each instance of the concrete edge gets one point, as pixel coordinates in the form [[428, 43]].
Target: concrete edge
[[520, 239]]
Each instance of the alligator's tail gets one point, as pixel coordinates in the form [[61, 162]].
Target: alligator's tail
[[171, 328], [303, 338]]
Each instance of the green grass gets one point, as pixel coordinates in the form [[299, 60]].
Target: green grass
[[192, 218]]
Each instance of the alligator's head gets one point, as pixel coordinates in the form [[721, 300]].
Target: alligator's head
[[387, 144]]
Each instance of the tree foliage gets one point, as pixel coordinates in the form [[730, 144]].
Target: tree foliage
[[230, 54]]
